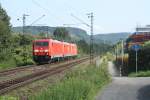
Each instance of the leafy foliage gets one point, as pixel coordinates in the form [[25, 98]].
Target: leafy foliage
[[83, 47], [140, 74], [5, 35], [20, 52], [25, 39], [61, 34], [146, 45]]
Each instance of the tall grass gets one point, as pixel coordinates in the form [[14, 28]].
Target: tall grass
[[8, 98], [81, 84]]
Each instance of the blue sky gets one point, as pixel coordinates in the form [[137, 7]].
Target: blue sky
[[109, 15]]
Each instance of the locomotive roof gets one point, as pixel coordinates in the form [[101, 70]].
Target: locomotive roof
[[55, 41], [43, 40]]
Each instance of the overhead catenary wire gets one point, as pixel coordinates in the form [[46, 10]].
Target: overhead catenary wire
[[59, 20], [76, 24], [80, 20], [91, 16], [37, 20], [66, 4]]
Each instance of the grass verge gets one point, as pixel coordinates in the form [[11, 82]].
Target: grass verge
[[140, 74], [80, 84], [7, 64]]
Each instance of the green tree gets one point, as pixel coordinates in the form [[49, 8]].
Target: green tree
[[26, 39], [42, 35], [83, 47], [61, 33], [5, 35]]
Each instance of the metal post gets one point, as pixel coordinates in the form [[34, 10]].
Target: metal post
[[119, 64], [23, 31], [23, 19], [136, 60], [117, 53], [122, 54], [47, 32], [136, 51], [91, 39]]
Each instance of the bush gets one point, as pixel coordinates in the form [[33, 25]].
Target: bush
[[140, 74], [17, 58]]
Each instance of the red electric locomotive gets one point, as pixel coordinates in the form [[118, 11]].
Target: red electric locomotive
[[45, 50]]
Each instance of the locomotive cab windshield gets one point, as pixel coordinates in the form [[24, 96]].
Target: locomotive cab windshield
[[41, 43]]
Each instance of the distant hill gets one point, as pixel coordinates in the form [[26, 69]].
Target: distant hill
[[111, 38], [76, 33]]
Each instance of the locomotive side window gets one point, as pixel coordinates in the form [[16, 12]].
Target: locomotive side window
[[41, 43]]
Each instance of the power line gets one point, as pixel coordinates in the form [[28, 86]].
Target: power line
[[50, 12], [77, 24], [91, 16], [37, 20], [80, 20]]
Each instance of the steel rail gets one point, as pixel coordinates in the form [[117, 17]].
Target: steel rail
[[9, 85]]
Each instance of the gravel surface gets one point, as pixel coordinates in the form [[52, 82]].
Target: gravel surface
[[124, 88]]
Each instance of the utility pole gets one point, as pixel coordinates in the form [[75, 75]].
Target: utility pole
[[117, 52], [136, 55], [24, 22], [91, 16], [47, 32], [24, 43], [122, 54], [91, 39]]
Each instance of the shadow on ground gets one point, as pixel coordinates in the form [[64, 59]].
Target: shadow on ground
[[144, 93]]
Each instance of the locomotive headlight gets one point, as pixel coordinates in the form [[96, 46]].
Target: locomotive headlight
[[45, 50], [36, 50]]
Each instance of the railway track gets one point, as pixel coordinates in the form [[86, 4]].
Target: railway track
[[8, 85], [13, 70], [23, 68]]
